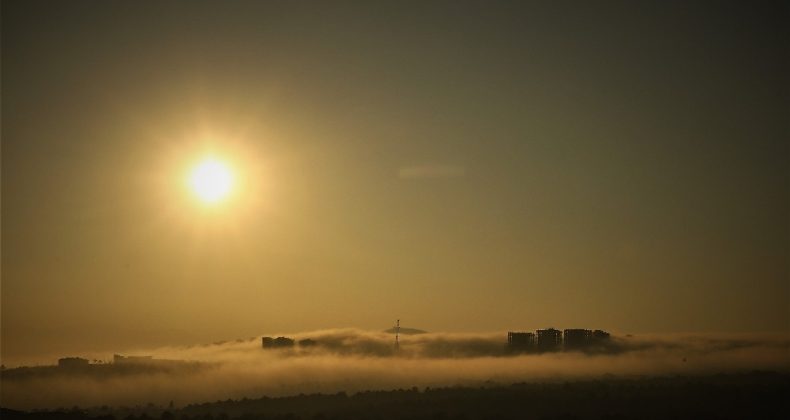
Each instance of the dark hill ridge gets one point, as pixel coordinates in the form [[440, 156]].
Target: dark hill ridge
[[759, 395]]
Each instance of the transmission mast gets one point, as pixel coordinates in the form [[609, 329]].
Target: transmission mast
[[397, 334]]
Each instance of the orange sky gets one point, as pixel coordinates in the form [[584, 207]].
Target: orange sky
[[460, 166]]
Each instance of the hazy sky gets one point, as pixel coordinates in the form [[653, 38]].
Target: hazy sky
[[462, 166]]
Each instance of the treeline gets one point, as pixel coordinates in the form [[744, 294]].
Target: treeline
[[733, 396]]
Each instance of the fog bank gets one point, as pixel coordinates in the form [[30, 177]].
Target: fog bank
[[354, 360]]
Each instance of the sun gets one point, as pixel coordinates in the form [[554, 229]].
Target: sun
[[211, 180]]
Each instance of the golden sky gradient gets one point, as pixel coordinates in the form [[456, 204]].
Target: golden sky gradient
[[462, 166]]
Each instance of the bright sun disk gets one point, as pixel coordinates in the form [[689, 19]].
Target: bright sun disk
[[211, 181]]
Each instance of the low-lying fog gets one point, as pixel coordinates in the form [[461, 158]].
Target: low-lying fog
[[353, 360]]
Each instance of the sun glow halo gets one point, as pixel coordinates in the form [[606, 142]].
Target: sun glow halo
[[211, 180]]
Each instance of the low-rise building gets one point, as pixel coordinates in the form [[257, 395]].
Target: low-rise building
[[307, 342], [279, 342], [72, 362], [117, 358]]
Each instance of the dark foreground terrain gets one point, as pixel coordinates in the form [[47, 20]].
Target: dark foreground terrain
[[756, 395]]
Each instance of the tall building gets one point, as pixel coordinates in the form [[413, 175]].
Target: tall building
[[520, 341], [549, 339], [576, 339], [600, 335]]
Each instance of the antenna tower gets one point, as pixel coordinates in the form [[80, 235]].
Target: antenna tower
[[397, 333]]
